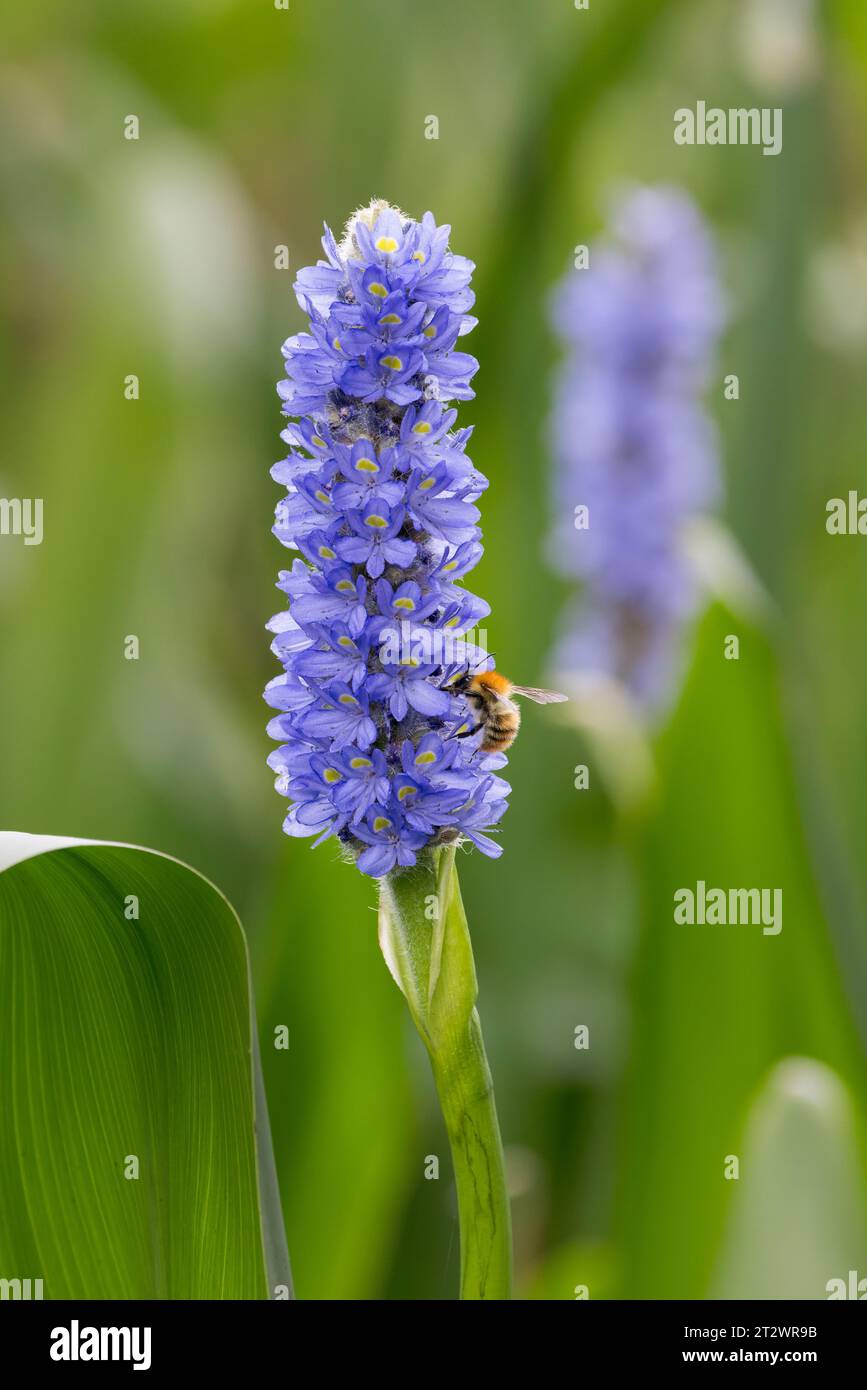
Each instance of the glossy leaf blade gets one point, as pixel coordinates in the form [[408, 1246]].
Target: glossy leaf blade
[[128, 1125]]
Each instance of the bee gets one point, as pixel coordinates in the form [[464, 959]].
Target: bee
[[490, 696]]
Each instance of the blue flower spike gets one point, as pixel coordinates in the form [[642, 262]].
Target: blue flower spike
[[633, 442], [380, 508]]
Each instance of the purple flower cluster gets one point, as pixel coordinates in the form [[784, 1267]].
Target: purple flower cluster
[[380, 504], [632, 441]]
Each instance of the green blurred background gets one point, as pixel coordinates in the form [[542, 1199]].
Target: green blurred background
[[157, 257]]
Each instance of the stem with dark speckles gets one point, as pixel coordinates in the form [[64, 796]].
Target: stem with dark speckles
[[426, 943], [466, 1093]]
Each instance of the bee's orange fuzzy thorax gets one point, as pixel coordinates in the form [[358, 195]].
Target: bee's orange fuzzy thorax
[[492, 680]]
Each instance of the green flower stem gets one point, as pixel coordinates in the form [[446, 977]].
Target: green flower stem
[[426, 943], [466, 1095]]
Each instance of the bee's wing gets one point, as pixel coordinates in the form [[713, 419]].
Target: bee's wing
[[540, 697]]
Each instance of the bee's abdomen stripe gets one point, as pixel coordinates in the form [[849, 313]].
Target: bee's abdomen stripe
[[499, 733]]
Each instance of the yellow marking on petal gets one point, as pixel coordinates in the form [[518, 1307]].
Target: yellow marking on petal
[[428, 483], [345, 586], [327, 553], [419, 256], [452, 622], [391, 318], [320, 443], [405, 792], [379, 522], [422, 759], [452, 565], [395, 363], [335, 343], [411, 661], [346, 642], [347, 700], [376, 288], [381, 823], [430, 332], [356, 763], [367, 466], [322, 497], [421, 428], [407, 603], [386, 244], [331, 775]]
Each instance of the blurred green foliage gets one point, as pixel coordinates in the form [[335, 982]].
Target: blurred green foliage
[[156, 257]]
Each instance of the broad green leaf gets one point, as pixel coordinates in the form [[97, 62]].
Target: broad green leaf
[[798, 1219], [131, 1095]]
